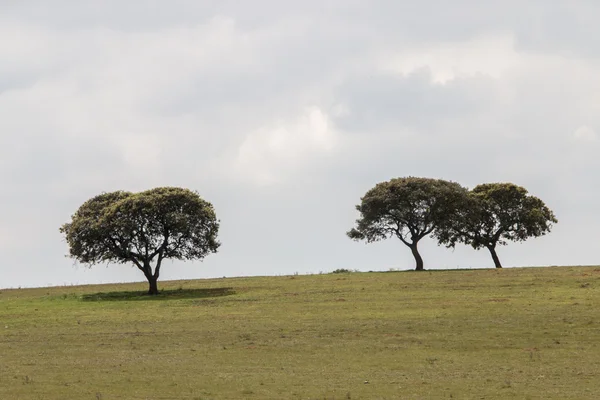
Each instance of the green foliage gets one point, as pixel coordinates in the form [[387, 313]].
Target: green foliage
[[341, 271], [143, 228], [496, 213], [408, 208], [89, 232]]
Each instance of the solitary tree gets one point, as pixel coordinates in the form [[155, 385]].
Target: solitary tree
[[143, 229], [495, 213], [408, 208]]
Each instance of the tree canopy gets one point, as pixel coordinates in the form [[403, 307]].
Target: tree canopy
[[143, 229], [496, 213], [409, 208]]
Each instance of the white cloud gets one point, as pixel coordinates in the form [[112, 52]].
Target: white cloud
[[140, 150], [585, 134], [268, 153], [490, 55]]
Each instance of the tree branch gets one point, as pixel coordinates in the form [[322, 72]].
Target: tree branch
[[158, 264], [428, 231], [137, 264], [401, 237]]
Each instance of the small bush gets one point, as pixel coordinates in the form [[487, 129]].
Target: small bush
[[341, 271]]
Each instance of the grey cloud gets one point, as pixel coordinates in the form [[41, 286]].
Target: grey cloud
[[381, 101], [561, 27]]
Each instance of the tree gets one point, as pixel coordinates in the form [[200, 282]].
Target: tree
[[144, 229], [495, 213], [408, 208]]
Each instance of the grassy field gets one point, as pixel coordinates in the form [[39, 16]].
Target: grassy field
[[527, 333]]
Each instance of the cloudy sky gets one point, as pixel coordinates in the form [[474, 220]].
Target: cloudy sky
[[284, 113]]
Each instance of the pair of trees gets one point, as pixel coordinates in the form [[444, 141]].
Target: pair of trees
[[489, 215]]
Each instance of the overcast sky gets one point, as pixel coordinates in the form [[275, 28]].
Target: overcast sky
[[284, 113]]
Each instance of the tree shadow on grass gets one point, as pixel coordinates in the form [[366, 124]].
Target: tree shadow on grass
[[168, 294]]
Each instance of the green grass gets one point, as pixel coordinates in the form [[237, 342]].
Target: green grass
[[527, 333]]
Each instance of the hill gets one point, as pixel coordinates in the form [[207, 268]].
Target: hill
[[526, 333]]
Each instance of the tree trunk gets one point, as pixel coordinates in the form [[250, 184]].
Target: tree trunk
[[492, 250], [418, 258], [153, 286]]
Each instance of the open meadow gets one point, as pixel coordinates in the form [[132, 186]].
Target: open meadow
[[523, 333]]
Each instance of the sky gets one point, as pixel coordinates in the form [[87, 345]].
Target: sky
[[283, 114]]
